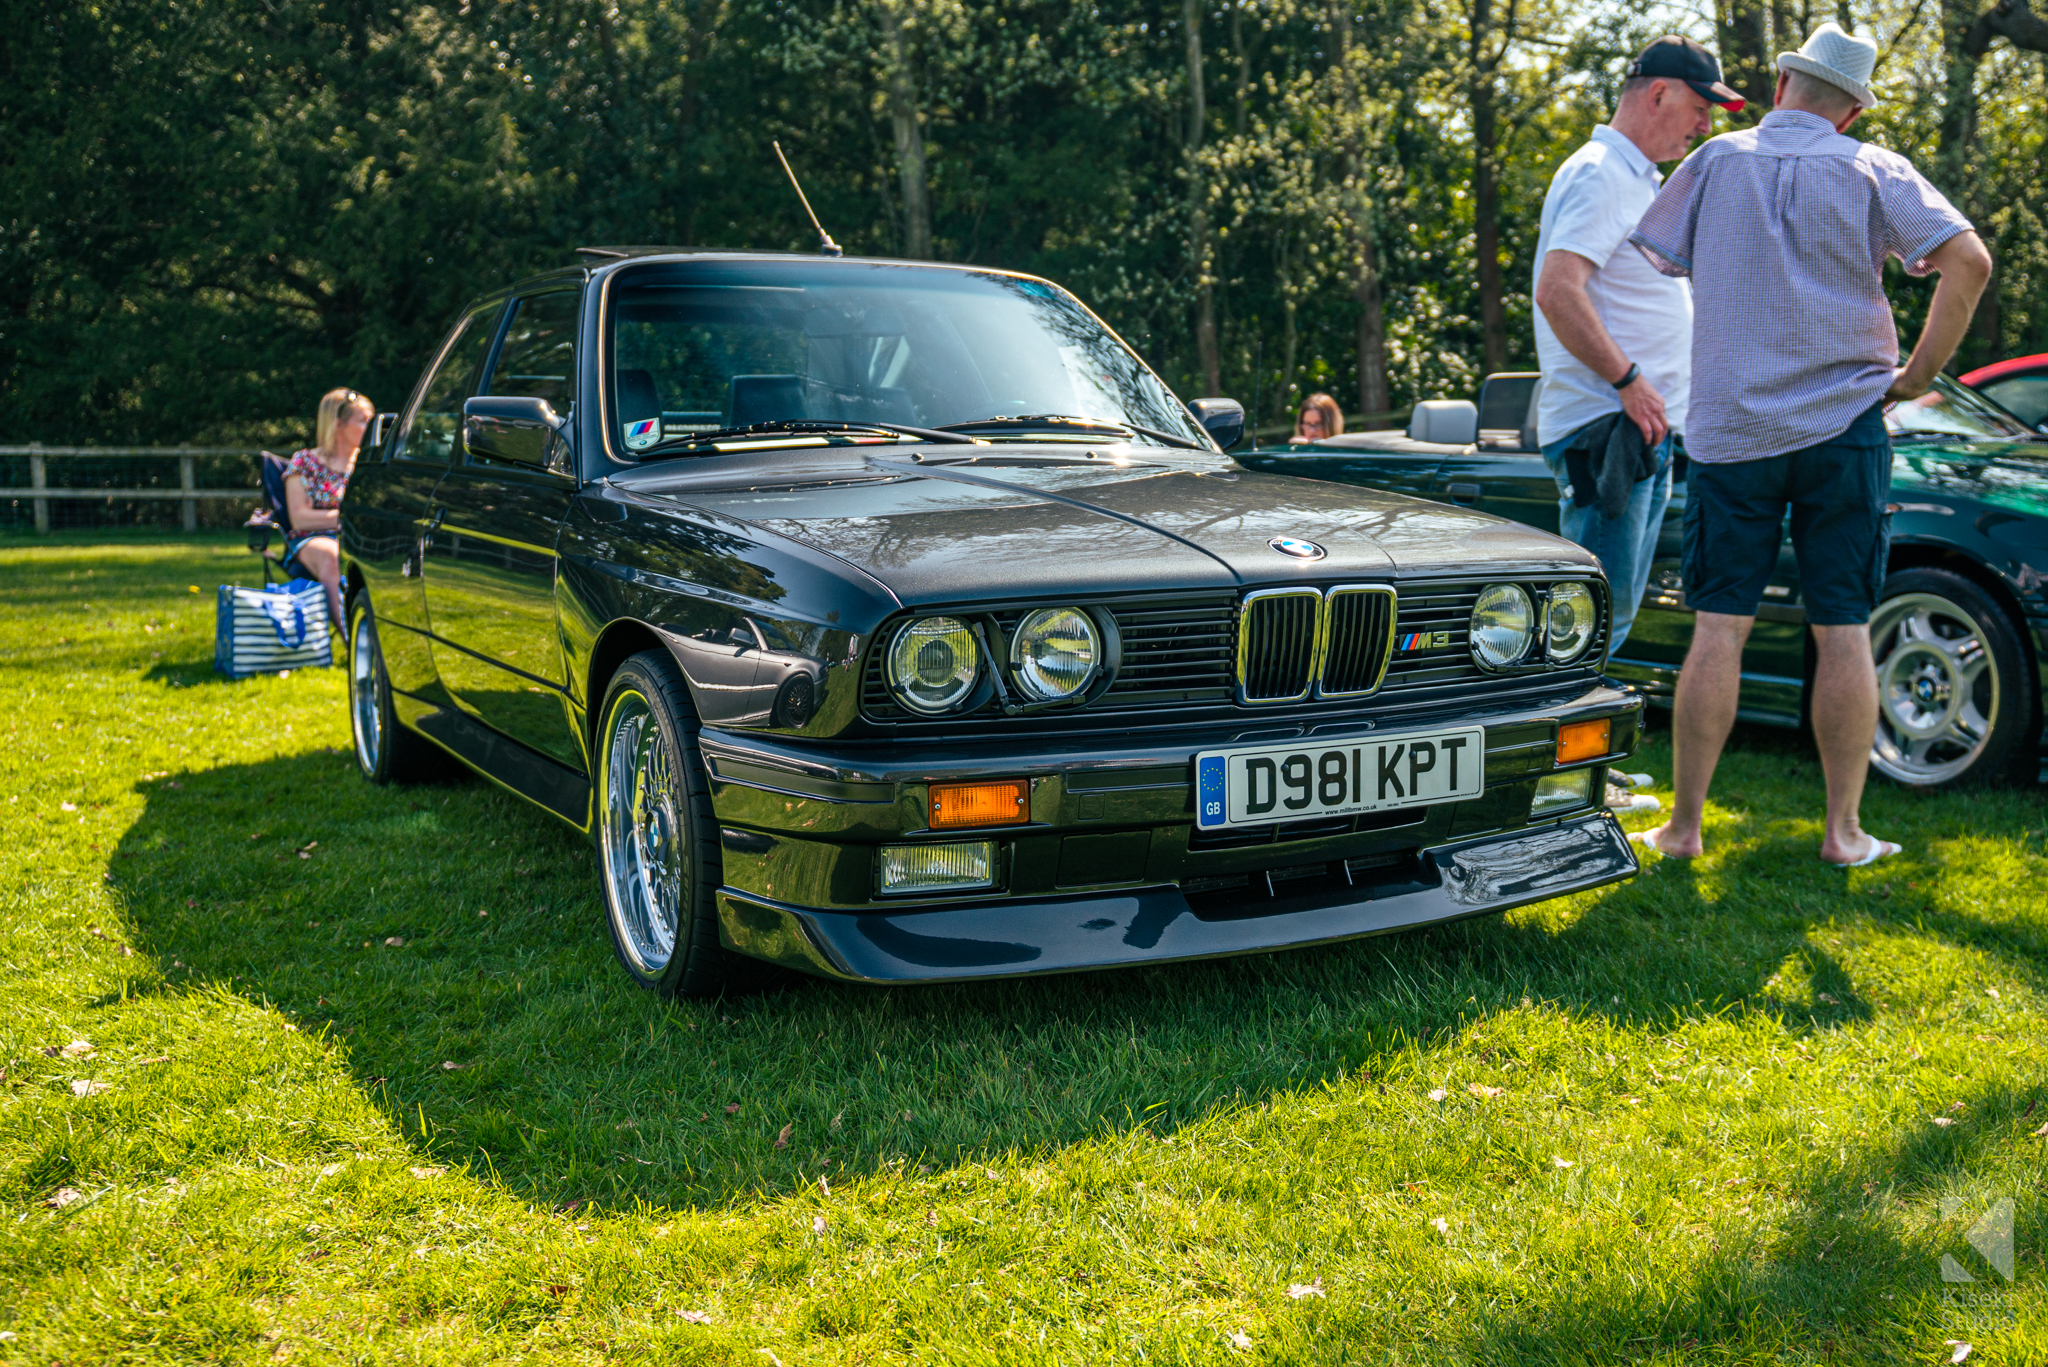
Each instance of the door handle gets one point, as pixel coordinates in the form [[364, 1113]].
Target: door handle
[[1463, 493]]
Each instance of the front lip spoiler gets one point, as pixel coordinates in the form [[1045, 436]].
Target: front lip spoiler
[[1009, 939]]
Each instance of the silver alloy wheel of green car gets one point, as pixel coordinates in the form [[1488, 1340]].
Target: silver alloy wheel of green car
[[365, 709], [1937, 689], [644, 827]]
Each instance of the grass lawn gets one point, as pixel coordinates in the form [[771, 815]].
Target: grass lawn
[[296, 1069]]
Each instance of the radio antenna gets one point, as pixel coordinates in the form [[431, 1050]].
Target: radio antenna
[[826, 246]]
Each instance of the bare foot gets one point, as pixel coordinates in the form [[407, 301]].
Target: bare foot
[[1658, 838], [1843, 855]]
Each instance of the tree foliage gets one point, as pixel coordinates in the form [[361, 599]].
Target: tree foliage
[[211, 212]]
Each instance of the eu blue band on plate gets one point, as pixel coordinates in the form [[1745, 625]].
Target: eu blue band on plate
[[1209, 797]]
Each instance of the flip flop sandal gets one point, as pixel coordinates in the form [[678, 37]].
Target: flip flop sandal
[[1643, 838], [1879, 849]]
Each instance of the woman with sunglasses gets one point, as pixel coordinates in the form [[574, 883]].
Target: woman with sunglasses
[[314, 481]]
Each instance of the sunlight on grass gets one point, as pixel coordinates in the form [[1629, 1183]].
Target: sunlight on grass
[[301, 1070]]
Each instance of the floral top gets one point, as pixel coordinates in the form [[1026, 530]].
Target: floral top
[[324, 487]]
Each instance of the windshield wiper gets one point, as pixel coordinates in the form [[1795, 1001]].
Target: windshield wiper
[[1061, 422], [799, 427]]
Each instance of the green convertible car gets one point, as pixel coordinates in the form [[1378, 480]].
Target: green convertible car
[[1960, 633]]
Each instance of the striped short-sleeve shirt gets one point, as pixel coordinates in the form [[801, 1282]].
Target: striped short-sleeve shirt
[[1784, 229]]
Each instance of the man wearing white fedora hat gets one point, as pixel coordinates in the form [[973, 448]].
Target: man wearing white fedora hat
[[1784, 229]]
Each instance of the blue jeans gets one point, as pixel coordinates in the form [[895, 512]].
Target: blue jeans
[[1626, 544]]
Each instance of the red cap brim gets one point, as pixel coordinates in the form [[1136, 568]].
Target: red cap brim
[[1719, 94]]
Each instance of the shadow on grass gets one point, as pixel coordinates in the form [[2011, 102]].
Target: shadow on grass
[[452, 940]]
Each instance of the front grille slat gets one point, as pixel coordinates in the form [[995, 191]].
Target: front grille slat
[[1359, 636], [1276, 645]]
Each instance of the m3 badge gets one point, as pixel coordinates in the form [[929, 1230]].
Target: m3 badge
[[1422, 640]]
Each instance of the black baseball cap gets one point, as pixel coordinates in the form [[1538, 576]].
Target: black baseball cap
[[1681, 59]]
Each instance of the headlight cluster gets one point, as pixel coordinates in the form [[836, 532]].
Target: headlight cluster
[[1507, 626], [934, 663]]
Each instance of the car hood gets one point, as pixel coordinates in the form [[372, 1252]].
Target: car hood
[[935, 526]]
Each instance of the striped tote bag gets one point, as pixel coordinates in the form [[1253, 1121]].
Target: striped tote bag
[[278, 627]]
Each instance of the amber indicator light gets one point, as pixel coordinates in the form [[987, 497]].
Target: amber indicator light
[[1577, 740], [954, 805]]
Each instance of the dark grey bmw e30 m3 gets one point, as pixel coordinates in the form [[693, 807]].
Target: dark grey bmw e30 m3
[[894, 622]]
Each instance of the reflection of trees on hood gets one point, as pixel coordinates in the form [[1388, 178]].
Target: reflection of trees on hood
[[689, 550]]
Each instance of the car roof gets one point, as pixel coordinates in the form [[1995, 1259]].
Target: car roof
[[598, 261], [2000, 369]]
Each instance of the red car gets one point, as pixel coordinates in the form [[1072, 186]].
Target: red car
[[2020, 385]]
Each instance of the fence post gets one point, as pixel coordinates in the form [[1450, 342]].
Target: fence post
[[38, 480], [188, 505]]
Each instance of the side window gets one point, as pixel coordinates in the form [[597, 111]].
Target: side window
[[537, 360], [431, 430], [538, 357]]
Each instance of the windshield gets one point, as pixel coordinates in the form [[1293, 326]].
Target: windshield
[[702, 347], [1949, 410]]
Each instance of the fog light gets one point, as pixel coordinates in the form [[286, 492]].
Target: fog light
[[1002, 803], [1559, 791], [1581, 740], [938, 868]]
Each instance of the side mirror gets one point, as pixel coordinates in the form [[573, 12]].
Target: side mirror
[[1444, 422], [1222, 419], [380, 430], [509, 428]]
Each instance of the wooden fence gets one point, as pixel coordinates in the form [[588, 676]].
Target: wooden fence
[[40, 492]]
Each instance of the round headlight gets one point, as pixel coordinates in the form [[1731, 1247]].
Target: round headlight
[[1503, 625], [933, 663], [1570, 622], [1055, 653]]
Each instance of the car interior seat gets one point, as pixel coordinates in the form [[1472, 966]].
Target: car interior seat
[[1507, 411], [767, 398], [638, 397]]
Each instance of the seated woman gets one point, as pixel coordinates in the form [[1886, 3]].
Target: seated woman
[[1320, 417], [314, 481]]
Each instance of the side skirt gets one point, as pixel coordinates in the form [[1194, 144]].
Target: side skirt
[[554, 789]]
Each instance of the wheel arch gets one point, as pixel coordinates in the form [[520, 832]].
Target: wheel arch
[[619, 642]]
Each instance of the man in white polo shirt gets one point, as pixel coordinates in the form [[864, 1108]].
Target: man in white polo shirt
[[1613, 335]]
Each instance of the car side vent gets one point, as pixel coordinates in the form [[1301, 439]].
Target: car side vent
[[1277, 644], [1359, 636]]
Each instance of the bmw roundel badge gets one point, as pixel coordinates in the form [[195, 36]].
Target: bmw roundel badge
[[1296, 547]]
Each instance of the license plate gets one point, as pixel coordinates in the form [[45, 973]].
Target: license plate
[[1260, 785]]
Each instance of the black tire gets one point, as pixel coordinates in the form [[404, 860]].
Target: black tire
[[386, 750], [657, 838], [1955, 694], [795, 701]]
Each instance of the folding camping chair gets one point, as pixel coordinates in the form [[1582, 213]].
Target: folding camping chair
[[273, 517]]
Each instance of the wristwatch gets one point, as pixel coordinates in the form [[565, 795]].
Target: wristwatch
[[1625, 381]]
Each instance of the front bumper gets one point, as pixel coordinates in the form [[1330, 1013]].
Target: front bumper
[[1109, 870], [1161, 925]]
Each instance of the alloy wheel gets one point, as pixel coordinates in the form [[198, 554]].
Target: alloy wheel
[[364, 681], [643, 834], [1937, 689]]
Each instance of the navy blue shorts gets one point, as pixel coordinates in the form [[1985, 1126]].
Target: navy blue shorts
[[1837, 492]]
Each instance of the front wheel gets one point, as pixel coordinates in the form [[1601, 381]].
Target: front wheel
[[1954, 698], [657, 840]]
